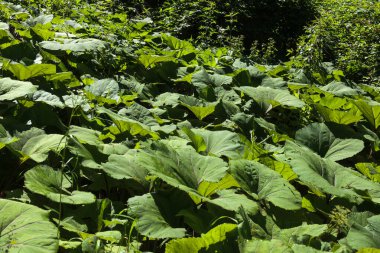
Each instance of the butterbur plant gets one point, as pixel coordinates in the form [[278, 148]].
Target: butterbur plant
[[120, 133]]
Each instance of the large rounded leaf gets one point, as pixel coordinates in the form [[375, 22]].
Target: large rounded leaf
[[156, 215], [275, 97], [319, 138], [325, 175], [126, 167], [26, 229], [218, 143], [54, 185], [13, 89], [74, 45], [219, 239], [365, 235], [182, 167], [266, 184], [39, 146]]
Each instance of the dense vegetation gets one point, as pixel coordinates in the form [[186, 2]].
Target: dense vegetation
[[189, 126]]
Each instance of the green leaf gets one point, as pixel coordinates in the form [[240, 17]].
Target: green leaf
[[104, 88], [370, 111], [340, 117], [265, 184], [124, 124], [368, 250], [41, 32], [126, 167], [217, 143], [85, 135], [26, 229], [111, 236], [196, 140], [370, 170], [149, 61], [53, 184], [261, 246], [218, 239], [365, 235], [12, 89], [275, 97], [340, 89], [37, 147], [74, 45], [232, 201], [153, 216], [316, 136], [319, 138], [207, 188], [175, 43], [182, 167], [6, 138], [23, 72], [48, 98], [202, 79], [196, 107], [302, 234], [342, 149], [290, 240], [325, 175]]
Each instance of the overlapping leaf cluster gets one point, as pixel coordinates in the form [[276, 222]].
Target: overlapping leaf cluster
[[138, 141]]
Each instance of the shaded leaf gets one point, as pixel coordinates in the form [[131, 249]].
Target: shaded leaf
[[26, 229]]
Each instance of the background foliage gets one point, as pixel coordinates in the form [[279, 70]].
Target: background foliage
[[116, 136]]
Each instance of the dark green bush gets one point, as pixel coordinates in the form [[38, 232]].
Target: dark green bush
[[347, 33], [221, 22]]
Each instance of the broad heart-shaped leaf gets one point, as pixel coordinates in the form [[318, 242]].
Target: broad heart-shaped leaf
[[265, 184], [222, 238], [126, 167], [53, 184], [23, 72], [150, 61], [13, 89], [340, 117], [339, 89], [365, 235], [341, 149], [276, 246], [5, 137], [156, 215], [26, 229], [48, 98], [104, 88], [202, 79], [85, 135], [175, 43], [196, 140], [319, 138], [324, 175], [275, 97], [316, 136], [74, 45], [38, 147], [301, 234], [371, 112], [232, 201], [123, 124], [370, 170], [263, 246], [200, 110], [217, 143], [182, 167]]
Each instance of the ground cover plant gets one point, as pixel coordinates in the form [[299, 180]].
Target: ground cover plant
[[118, 137]]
